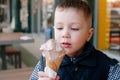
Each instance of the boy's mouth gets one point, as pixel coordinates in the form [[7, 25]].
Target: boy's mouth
[[66, 45]]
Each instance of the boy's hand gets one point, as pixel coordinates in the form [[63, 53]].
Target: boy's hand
[[43, 76]]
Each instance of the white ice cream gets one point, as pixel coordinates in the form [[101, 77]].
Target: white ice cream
[[51, 49]]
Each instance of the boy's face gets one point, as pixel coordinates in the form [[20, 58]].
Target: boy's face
[[72, 30]]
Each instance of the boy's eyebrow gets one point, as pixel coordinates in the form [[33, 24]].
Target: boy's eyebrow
[[58, 23], [75, 23]]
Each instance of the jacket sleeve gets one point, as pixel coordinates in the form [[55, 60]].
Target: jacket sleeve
[[39, 67], [114, 72]]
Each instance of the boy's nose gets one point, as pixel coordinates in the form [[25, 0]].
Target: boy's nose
[[66, 34]]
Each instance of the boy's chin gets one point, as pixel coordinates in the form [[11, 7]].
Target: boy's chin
[[69, 54], [74, 54]]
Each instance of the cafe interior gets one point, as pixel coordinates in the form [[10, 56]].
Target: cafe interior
[[23, 28]]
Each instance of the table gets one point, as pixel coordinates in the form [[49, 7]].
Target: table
[[10, 39], [16, 74]]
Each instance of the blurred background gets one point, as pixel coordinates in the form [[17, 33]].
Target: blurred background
[[36, 17]]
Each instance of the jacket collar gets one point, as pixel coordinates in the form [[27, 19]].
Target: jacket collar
[[87, 57]]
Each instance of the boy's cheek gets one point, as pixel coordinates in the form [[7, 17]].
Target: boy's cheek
[[57, 38], [57, 34]]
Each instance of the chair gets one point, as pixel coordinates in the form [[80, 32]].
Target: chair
[[14, 55]]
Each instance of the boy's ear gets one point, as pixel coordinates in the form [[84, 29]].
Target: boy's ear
[[90, 33]]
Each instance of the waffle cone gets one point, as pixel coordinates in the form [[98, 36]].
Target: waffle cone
[[54, 65]]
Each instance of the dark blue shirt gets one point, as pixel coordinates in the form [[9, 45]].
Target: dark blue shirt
[[90, 65]]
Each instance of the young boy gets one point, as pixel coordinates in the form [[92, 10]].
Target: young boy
[[72, 26]]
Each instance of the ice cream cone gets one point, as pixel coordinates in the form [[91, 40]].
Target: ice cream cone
[[54, 65], [53, 53]]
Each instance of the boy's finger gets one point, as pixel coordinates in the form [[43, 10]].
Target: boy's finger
[[43, 79], [57, 78], [47, 79], [42, 74]]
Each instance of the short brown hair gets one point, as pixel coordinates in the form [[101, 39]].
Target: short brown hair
[[77, 4]]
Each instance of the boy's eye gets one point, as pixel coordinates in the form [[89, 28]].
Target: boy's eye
[[59, 28], [76, 29]]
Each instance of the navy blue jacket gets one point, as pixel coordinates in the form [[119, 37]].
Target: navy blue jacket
[[90, 65]]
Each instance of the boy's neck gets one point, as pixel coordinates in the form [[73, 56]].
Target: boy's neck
[[76, 54]]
